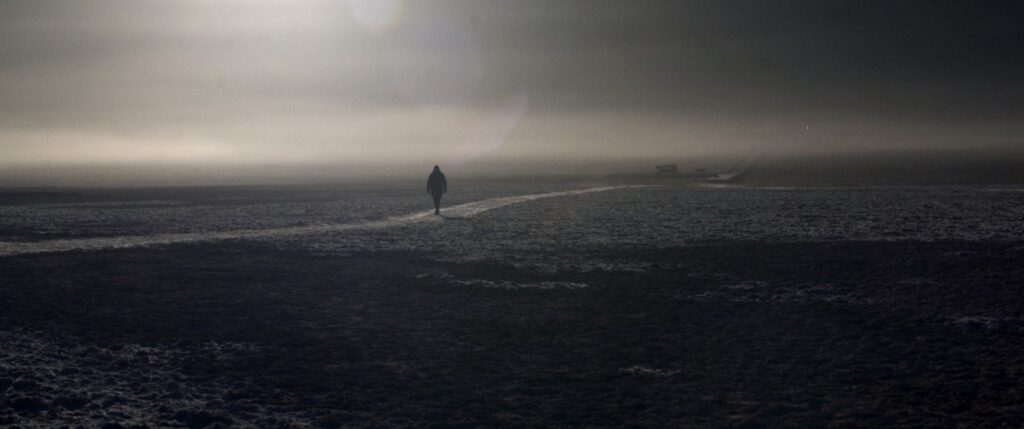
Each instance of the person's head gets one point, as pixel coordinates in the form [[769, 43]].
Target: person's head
[[436, 168]]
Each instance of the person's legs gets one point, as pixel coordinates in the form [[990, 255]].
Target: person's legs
[[437, 203]]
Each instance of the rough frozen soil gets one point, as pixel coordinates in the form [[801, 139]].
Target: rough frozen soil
[[735, 334], [656, 307]]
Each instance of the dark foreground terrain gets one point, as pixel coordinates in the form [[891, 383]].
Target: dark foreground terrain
[[740, 334]]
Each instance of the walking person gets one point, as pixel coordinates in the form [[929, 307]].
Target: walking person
[[437, 185]]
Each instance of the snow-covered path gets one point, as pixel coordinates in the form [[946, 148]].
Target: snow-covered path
[[466, 210]]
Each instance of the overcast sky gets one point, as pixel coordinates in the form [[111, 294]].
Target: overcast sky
[[388, 81]]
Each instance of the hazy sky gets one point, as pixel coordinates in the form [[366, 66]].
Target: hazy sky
[[422, 82]]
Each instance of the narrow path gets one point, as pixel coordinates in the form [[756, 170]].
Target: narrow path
[[462, 211]]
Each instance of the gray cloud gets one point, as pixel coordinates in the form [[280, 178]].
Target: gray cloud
[[236, 82]]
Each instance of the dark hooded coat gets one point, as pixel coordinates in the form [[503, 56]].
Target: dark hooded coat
[[437, 185]]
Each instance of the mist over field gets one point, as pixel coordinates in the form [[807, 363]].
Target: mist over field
[[101, 92]]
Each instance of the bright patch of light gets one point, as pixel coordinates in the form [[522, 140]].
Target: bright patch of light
[[376, 15]]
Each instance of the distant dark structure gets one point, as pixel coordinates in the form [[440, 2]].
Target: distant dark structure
[[671, 173], [667, 169], [437, 185]]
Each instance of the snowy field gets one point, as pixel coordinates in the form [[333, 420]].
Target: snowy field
[[527, 304], [381, 217]]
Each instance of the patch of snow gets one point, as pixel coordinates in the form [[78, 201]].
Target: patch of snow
[[500, 284], [988, 323], [648, 371], [757, 291]]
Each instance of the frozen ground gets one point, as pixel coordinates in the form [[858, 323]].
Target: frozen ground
[[670, 306], [36, 215], [390, 217], [558, 233], [462, 211]]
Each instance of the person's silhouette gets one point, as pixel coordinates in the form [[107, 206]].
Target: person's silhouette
[[437, 185]]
